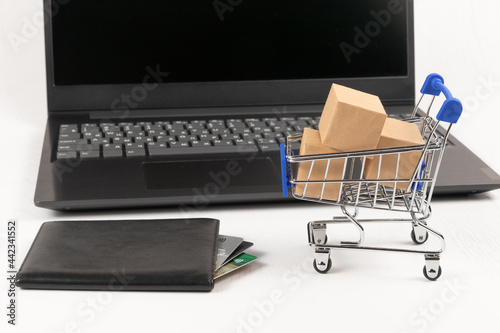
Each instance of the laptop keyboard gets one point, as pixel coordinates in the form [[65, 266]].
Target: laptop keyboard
[[164, 138]]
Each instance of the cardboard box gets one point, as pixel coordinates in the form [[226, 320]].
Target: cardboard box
[[396, 133], [351, 120], [310, 145]]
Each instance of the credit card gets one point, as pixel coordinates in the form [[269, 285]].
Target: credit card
[[243, 246], [238, 262], [226, 246]]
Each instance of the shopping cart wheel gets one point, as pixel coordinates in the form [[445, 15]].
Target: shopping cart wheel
[[422, 237], [324, 268], [432, 274]]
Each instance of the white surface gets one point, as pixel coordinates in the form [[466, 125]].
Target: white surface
[[365, 291]]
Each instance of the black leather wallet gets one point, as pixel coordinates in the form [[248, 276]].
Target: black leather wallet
[[155, 255]]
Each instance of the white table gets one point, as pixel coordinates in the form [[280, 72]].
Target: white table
[[364, 291]]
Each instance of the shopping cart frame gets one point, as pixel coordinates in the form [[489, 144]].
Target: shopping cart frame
[[358, 192]]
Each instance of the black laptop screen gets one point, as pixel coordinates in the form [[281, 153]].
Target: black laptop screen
[[113, 41]]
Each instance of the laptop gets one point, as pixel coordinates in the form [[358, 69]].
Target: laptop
[[184, 103]]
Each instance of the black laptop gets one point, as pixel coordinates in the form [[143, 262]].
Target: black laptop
[[184, 103]]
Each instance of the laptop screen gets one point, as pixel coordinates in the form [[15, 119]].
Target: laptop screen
[[113, 41], [225, 53]]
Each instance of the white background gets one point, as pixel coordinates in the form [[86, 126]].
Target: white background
[[364, 291]]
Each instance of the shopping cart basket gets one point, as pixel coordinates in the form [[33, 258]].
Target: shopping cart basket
[[409, 195]]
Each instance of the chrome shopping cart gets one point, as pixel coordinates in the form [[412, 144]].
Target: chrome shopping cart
[[410, 195]]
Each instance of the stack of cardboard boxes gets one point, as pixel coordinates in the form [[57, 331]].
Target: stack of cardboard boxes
[[353, 121]]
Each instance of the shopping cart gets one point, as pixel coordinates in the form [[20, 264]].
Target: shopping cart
[[410, 195]]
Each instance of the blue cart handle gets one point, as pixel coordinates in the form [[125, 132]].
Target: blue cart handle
[[285, 183], [452, 108]]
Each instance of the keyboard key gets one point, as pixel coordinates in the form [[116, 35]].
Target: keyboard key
[[236, 124], [230, 136], [195, 126], [111, 146], [179, 144], [201, 143], [88, 129], [223, 142], [143, 139], [153, 128], [68, 130], [241, 130], [99, 141], [90, 154], [278, 123], [71, 147], [177, 132], [297, 123], [135, 152], [279, 128], [134, 145], [269, 147], [300, 127], [110, 129], [198, 131], [155, 145], [91, 135], [112, 153], [187, 138], [220, 130], [133, 133], [156, 132], [245, 142], [164, 138], [64, 136], [251, 136], [216, 125], [204, 137], [132, 128], [265, 141], [113, 134], [72, 142], [257, 124], [62, 155]]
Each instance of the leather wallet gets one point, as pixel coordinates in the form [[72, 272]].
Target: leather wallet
[[154, 255]]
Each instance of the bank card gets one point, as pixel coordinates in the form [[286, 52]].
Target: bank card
[[226, 245], [238, 262]]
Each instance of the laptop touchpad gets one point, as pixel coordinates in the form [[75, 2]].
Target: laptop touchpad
[[225, 176]]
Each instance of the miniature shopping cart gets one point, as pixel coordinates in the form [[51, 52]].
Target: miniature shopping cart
[[354, 190]]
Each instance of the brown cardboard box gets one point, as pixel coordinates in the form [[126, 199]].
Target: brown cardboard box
[[310, 145], [351, 120], [396, 133]]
